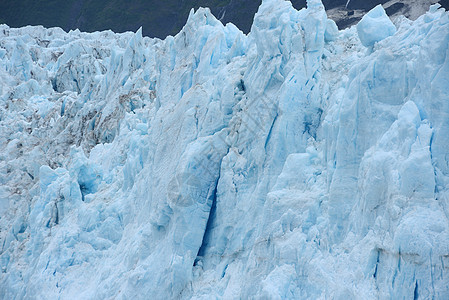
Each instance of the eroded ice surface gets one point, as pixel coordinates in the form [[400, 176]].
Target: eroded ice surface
[[290, 163]]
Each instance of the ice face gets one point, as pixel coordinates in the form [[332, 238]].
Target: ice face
[[288, 163]]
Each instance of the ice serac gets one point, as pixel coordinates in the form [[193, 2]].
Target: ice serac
[[289, 163], [375, 26]]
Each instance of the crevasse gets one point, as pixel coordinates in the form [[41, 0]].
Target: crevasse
[[293, 162]]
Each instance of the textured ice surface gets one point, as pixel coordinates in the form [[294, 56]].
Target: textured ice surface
[[290, 163]]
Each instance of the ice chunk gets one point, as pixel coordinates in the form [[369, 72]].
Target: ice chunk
[[375, 26], [331, 32], [4, 201]]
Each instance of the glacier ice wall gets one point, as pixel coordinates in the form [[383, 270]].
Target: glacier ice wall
[[292, 162]]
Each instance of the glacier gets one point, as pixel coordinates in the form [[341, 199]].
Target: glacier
[[295, 162]]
